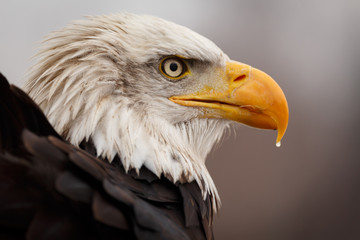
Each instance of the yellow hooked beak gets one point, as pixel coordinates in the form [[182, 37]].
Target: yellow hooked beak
[[246, 95]]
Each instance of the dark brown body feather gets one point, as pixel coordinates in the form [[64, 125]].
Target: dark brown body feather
[[50, 189]]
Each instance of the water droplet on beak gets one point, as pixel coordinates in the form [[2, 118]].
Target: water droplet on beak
[[278, 144]]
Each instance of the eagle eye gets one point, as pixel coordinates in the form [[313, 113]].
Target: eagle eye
[[173, 67]]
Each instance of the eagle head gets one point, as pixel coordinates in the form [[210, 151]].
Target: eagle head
[[150, 92]]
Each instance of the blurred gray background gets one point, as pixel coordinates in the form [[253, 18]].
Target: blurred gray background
[[310, 187]]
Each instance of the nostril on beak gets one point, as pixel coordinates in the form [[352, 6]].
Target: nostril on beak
[[240, 78]]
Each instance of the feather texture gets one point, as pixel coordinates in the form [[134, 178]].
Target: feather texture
[[54, 190], [98, 80]]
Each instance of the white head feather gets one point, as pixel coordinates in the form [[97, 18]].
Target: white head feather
[[98, 79]]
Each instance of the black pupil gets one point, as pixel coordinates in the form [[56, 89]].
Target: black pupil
[[173, 67]]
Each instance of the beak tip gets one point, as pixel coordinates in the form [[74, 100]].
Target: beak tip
[[281, 132]]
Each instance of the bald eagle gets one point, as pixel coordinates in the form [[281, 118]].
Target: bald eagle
[[110, 140]]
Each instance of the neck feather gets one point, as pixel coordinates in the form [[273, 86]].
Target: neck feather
[[176, 151]]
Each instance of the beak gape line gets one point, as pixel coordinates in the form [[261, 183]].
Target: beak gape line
[[250, 97]]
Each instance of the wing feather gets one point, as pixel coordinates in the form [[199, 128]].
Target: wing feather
[[50, 189]]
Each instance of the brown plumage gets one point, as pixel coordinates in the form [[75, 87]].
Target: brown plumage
[[53, 190]]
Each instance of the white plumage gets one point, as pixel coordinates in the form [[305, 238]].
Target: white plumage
[[98, 79]]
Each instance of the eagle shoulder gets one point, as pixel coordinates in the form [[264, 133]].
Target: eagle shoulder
[[51, 189]]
